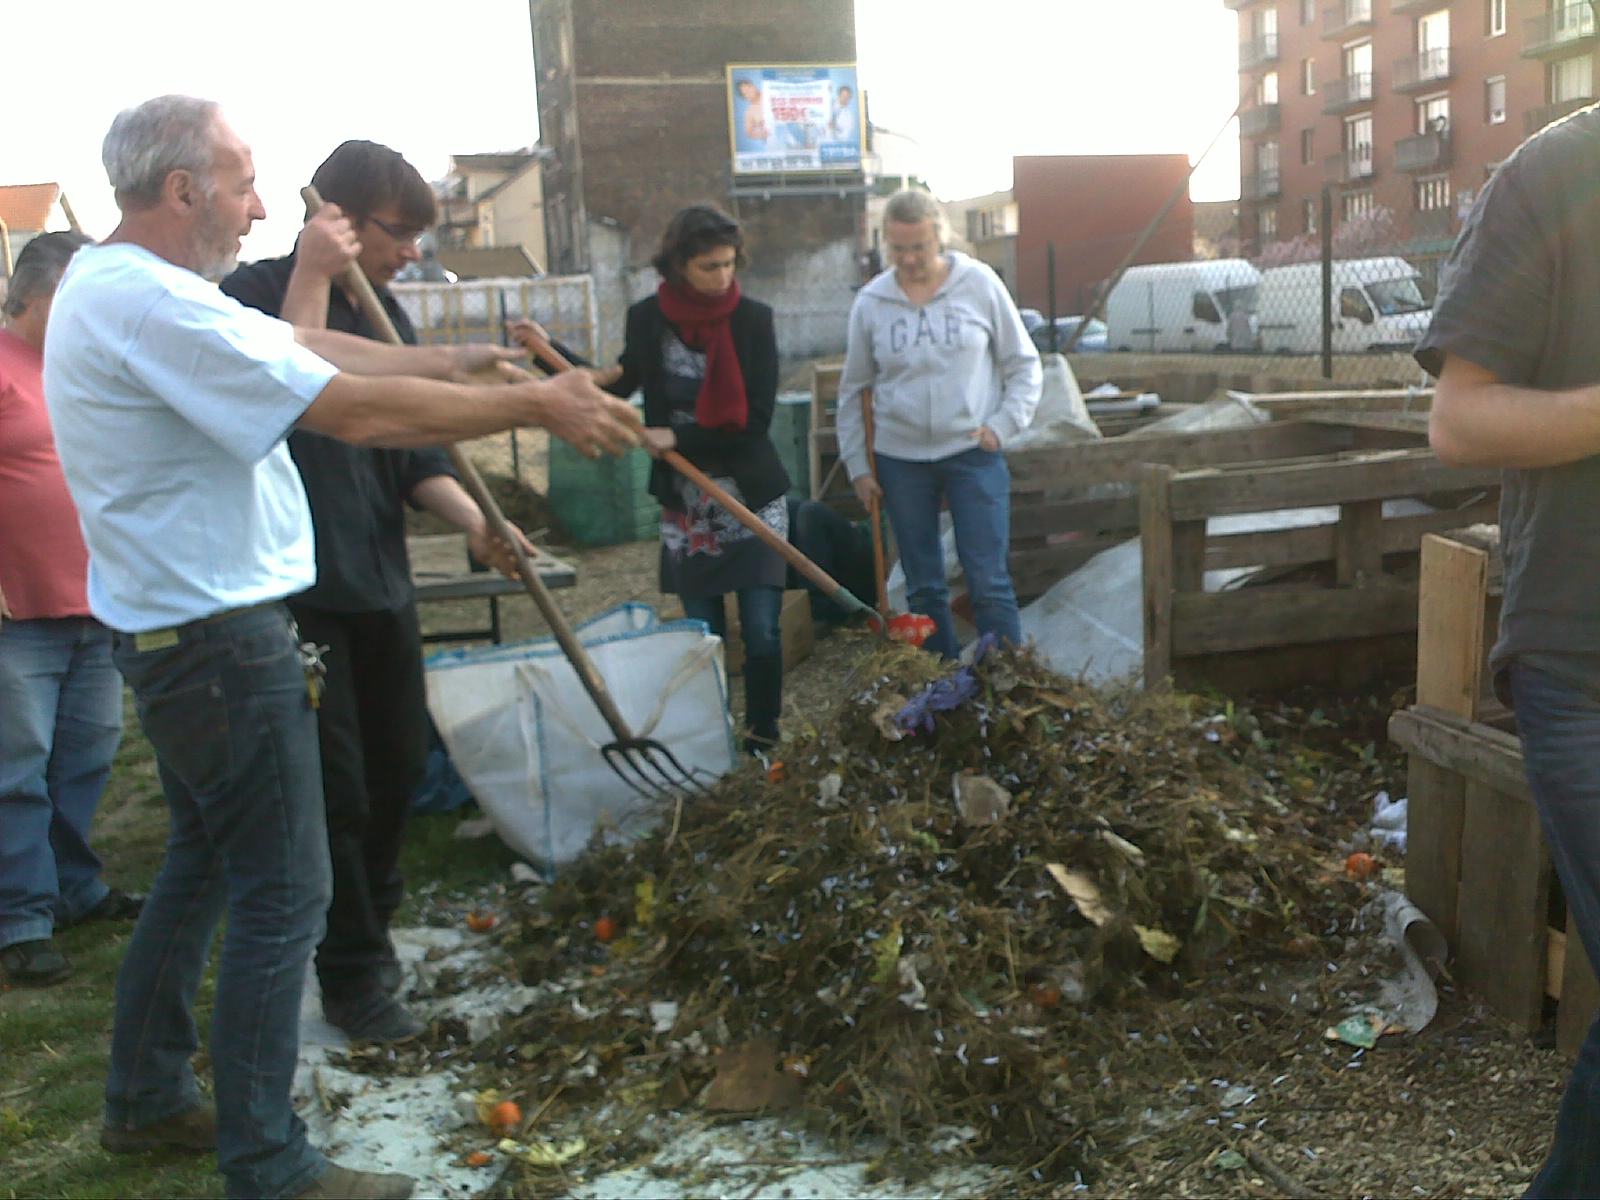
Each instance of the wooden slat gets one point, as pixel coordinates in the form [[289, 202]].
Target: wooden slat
[[1450, 625], [1505, 886], [1155, 535], [1435, 807], [1314, 543], [1579, 996], [1358, 543], [1469, 748], [1037, 517], [1188, 556], [1366, 475], [1290, 405], [1215, 622]]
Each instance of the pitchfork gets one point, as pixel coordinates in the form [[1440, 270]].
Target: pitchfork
[[644, 764]]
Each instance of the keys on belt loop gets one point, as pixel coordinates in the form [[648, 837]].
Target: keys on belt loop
[[316, 670]]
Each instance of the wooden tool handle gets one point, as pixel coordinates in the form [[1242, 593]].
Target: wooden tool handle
[[367, 298], [830, 586], [880, 578]]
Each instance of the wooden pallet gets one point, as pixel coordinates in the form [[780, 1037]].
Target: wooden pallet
[[1476, 861]]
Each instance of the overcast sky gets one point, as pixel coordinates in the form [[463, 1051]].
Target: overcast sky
[[972, 82]]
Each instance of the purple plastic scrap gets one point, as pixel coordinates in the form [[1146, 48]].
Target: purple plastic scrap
[[945, 694]]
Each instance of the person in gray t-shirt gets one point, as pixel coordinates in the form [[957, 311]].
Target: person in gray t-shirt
[[1515, 344]]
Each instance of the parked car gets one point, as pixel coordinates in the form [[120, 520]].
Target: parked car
[[1093, 340], [1180, 306]]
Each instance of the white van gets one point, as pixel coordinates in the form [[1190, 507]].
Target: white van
[[1180, 306], [1378, 304]]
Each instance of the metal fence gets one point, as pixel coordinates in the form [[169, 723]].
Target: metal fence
[[477, 310]]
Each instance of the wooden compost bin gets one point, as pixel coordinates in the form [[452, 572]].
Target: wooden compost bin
[[1336, 624], [1476, 860]]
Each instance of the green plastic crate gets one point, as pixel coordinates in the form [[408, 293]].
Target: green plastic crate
[[602, 501]]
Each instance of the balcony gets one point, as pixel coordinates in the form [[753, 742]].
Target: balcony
[[1258, 51], [1350, 166], [1422, 70], [1424, 152], [1263, 118], [1263, 185], [1343, 95], [1348, 17], [1538, 118], [1559, 31], [1411, 6]]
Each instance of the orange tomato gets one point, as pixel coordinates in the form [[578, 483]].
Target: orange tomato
[[479, 1158], [605, 928], [505, 1116], [481, 922], [1360, 865]]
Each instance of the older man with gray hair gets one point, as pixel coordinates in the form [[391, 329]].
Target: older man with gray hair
[[60, 695], [171, 404]]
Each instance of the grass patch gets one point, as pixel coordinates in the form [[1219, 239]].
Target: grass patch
[[54, 1041]]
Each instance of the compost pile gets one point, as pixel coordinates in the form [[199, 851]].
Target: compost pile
[[945, 918]]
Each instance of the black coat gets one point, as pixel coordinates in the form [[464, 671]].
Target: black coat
[[747, 456]]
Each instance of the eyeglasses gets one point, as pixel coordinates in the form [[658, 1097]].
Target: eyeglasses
[[399, 232]]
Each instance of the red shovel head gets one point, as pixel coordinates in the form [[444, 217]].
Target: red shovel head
[[911, 628]]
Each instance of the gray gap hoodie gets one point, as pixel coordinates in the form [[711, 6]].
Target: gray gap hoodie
[[938, 372]]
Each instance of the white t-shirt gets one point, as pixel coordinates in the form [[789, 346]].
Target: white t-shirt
[[170, 403]]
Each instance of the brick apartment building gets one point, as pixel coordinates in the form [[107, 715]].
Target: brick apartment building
[[633, 112], [1400, 105]]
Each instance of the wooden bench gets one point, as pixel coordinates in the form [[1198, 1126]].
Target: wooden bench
[[441, 570]]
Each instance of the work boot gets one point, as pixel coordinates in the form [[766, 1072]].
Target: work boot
[[194, 1129], [763, 702], [115, 905], [372, 1017], [343, 1183], [33, 964]]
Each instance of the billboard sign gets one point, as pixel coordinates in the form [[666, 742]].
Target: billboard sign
[[794, 117]]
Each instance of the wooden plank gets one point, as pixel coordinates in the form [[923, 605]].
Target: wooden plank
[[1116, 460], [1188, 556], [1315, 543], [1358, 543], [1040, 517], [1469, 748], [1555, 961], [1450, 625], [1579, 994], [1156, 553], [1364, 475], [1292, 405], [1214, 622], [1505, 891], [1435, 800]]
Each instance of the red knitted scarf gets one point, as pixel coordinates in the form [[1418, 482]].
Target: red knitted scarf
[[702, 322]]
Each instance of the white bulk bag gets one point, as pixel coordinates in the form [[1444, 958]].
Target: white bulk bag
[[526, 737]]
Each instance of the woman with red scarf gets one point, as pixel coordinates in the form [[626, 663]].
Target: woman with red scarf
[[706, 358]]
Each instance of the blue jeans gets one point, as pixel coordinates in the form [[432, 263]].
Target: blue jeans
[[60, 721], [977, 486], [227, 710], [760, 623], [1560, 728]]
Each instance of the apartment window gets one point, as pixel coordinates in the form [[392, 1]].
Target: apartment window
[[1267, 157], [1267, 90], [1433, 114], [1572, 79], [1269, 224], [1358, 146], [1308, 12], [1433, 193], [1308, 215], [1496, 17], [1308, 153], [1308, 77], [1494, 100], [1357, 59], [1433, 31], [1357, 204], [1264, 22]]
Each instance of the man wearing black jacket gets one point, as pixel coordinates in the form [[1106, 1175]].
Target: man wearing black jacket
[[372, 719]]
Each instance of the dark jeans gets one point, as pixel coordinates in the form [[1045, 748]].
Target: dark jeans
[[60, 721], [1560, 727], [760, 622], [373, 729], [225, 707], [977, 485]]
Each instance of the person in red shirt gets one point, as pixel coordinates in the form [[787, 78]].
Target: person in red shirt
[[60, 693]]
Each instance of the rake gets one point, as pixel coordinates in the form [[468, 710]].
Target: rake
[[646, 766]]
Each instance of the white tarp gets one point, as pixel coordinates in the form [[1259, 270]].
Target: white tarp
[[526, 737]]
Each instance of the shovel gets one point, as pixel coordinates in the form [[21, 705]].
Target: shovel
[[824, 582], [912, 628], [645, 765]]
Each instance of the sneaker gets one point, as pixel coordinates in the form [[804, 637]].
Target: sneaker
[[342, 1182], [33, 964], [115, 905], [379, 1018], [194, 1129]]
